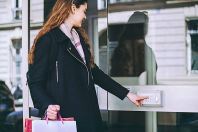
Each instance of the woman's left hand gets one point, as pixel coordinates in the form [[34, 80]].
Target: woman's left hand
[[137, 100]]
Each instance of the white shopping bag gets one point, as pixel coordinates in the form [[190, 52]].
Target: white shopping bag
[[65, 125], [53, 126]]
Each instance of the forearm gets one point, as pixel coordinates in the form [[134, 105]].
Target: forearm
[[107, 83]]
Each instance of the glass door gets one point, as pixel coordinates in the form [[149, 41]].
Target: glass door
[[151, 49]]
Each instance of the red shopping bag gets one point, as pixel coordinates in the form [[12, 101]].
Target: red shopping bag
[[61, 125]]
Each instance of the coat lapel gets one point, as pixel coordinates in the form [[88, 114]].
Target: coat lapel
[[62, 38], [75, 52]]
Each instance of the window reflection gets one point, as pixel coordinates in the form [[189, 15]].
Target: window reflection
[[166, 38], [130, 55]]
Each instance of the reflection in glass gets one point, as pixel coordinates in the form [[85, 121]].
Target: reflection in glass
[[128, 56], [166, 36], [132, 56], [177, 122]]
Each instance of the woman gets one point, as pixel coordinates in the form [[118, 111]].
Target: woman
[[62, 73]]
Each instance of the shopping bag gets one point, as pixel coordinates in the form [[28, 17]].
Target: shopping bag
[[62, 125]]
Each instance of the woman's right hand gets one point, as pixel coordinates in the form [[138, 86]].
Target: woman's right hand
[[52, 111]]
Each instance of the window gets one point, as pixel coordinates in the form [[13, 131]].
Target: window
[[102, 4], [17, 9], [192, 42]]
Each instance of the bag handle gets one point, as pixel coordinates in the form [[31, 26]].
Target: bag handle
[[59, 117]]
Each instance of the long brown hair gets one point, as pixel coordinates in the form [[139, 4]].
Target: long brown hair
[[57, 16]]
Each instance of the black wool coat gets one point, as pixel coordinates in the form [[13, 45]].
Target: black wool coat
[[59, 76]]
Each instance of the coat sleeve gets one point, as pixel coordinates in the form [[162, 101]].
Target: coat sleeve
[[107, 83], [37, 75]]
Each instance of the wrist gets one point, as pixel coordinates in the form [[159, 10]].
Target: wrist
[[131, 95], [128, 94]]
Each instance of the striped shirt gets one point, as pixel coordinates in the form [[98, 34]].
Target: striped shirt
[[75, 39]]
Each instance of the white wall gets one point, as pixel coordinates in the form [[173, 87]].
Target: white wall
[[5, 11], [6, 64]]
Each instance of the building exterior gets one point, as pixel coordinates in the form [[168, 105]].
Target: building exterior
[[10, 16]]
